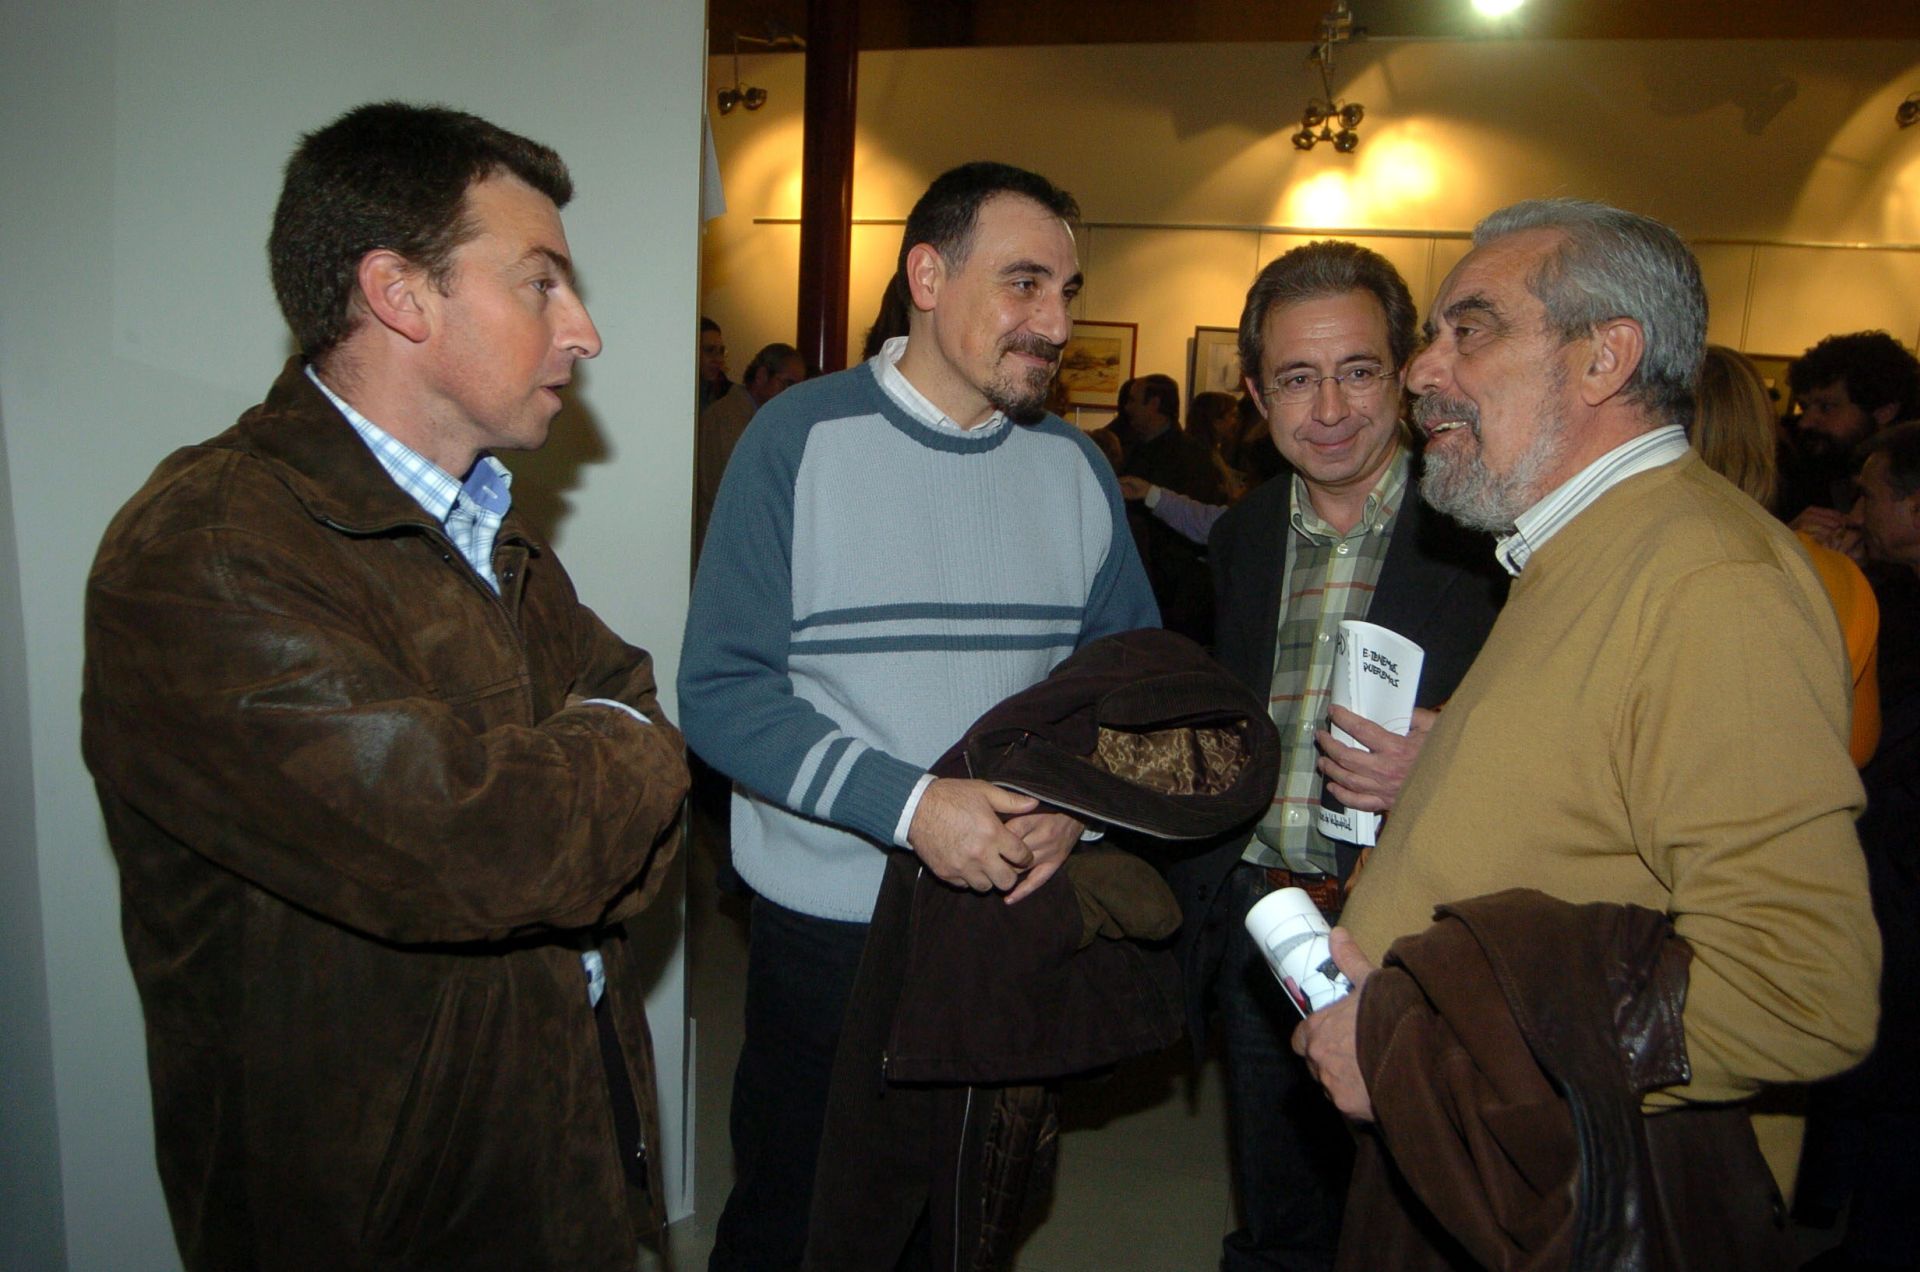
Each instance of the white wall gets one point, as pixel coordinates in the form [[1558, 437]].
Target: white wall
[[31, 1234], [142, 153], [1179, 155]]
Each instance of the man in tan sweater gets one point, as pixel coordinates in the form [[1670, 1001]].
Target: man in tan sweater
[[1659, 716]]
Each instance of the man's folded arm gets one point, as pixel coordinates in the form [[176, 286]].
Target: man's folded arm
[[268, 731]]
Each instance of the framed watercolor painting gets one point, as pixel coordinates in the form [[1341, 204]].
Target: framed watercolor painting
[[1098, 359]]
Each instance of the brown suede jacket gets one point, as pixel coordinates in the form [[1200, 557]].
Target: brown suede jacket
[[363, 840], [1506, 1049]]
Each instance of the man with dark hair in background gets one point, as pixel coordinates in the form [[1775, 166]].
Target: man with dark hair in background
[[1325, 336], [896, 548], [1847, 388], [1161, 453], [712, 364], [774, 369], [1861, 1129], [382, 792]]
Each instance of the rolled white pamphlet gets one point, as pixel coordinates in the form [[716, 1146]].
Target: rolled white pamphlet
[[1293, 935]]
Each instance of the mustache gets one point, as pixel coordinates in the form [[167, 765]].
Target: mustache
[[1433, 407], [1033, 346]]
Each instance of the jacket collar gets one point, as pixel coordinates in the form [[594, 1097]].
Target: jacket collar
[[328, 468]]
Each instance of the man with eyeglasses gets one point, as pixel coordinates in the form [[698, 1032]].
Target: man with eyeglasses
[[1323, 337]]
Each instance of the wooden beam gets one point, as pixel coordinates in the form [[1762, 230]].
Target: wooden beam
[[826, 180]]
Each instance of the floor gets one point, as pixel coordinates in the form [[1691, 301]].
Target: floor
[[1142, 1184]]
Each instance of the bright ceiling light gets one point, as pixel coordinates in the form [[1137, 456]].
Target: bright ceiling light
[[1496, 8]]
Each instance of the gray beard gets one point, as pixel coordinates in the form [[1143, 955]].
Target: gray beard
[[1472, 494]]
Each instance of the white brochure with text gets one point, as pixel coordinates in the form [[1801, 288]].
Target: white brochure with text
[[1375, 674]]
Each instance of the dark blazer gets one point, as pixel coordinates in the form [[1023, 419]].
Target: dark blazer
[[1440, 586]]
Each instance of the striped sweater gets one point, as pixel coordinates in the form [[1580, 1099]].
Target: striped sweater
[[873, 580]]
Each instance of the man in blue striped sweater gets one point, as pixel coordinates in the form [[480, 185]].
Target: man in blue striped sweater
[[895, 549]]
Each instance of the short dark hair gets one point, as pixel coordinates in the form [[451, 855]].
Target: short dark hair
[[946, 214], [891, 321], [1900, 443], [386, 175], [1314, 270], [1161, 389], [1876, 368], [1206, 410], [771, 359], [707, 324]]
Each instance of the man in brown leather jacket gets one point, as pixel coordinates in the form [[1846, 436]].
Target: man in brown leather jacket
[[382, 792]]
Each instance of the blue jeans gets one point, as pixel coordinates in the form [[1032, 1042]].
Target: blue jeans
[[1291, 1152], [800, 971]]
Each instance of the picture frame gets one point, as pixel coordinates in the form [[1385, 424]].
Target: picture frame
[[1215, 364], [1098, 359]]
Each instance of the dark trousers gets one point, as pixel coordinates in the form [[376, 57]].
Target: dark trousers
[[800, 972], [1292, 1151]]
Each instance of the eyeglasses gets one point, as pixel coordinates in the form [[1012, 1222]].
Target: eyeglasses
[[1361, 384]]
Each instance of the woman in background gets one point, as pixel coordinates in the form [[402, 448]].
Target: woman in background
[[1733, 429]]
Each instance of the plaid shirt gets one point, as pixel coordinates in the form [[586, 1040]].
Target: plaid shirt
[[471, 511], [1329, 577]]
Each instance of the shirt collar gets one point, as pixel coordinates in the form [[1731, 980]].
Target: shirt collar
[[1532, 528], [489, 485], [1382, 501], [886, 369]]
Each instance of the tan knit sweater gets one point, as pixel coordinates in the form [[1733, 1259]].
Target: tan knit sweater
[[1660, 717]]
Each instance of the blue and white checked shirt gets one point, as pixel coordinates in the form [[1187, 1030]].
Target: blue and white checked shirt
[[471, 510]]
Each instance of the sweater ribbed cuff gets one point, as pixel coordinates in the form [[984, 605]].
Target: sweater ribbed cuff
[[875, 792]]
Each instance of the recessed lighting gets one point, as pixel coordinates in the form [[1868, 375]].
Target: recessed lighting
[[1496, 8]]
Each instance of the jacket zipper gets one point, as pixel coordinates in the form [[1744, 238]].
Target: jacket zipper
[[450, 554]]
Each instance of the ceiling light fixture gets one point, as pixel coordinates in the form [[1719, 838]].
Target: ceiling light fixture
[[777, 37], [1497, 8], [1322, 113]]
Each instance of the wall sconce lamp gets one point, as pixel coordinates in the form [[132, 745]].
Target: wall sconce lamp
[[1322, 113], [1907, 113], [747, 95]]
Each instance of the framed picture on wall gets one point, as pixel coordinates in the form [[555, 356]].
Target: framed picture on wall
[[1216, 362], [1098, 359]]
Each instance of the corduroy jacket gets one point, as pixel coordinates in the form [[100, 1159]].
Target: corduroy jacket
[[364, 836], [964, 1005]]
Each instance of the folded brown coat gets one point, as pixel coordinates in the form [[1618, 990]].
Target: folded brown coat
[[964, 1005], [1506, 1050]]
